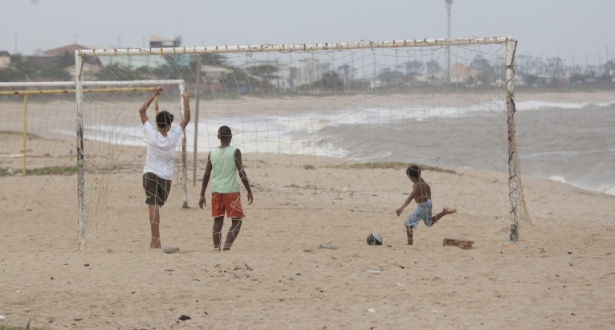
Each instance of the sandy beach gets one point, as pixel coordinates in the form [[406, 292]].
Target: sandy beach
[[280, 275]]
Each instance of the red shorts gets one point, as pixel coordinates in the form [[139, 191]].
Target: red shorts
[[229, 204]]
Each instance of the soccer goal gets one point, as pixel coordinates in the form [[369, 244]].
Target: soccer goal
[[38, 130], [444, 104]]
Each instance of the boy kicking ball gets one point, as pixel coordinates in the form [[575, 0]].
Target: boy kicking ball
[[421, 193]]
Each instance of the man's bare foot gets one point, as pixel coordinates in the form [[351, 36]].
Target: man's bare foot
[[155, 244], [449, 210]]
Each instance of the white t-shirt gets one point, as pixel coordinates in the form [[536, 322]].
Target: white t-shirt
[[160, 158]]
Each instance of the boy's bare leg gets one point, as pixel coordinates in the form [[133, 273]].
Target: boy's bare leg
[[154, 222], [217, 231], [409, 232], [232, 234], [445, 211]]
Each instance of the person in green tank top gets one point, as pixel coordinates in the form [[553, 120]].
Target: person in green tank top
[[225, 162]]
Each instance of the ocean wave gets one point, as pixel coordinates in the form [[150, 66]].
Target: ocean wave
[[540, 105], [558, 178], [608, 189], [552, 154]]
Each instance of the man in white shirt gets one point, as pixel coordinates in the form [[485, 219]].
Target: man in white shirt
[[160, 159]]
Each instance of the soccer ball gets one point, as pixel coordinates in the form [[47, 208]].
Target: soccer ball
[[374, 239]]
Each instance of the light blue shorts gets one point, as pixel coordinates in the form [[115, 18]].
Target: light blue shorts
[[422, 212]]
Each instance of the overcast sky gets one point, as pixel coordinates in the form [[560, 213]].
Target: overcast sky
[[579, 30]]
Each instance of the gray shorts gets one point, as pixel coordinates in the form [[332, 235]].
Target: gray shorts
[[422, 212]]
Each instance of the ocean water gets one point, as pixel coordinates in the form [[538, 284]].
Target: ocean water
[[569, 142], [573, 143]]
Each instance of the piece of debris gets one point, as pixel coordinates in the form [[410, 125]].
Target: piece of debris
[[170, 249], [460, 243], [329, 246]]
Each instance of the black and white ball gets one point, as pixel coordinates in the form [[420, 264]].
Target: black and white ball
[[374, 239]]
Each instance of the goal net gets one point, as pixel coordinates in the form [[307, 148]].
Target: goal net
[[446, 105], [38, 134], [37, 128]]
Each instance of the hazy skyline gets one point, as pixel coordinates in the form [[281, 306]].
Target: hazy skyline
[[576, 31]]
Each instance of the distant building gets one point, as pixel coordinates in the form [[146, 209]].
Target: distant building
[[460, 74], [5, 59], [156, 41], [64, 49], [302, 72], [49, 59], [214, 73]]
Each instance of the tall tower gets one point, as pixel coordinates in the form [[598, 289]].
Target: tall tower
[[448, 4]]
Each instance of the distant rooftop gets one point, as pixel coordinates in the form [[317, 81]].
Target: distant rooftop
[[157, 38], [65, 49], [156, 41]]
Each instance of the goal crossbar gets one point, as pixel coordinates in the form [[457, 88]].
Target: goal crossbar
[[326, 46]]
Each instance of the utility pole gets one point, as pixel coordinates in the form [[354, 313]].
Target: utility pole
[[448, 4]]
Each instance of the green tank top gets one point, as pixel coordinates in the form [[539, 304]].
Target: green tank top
[[224, 178]]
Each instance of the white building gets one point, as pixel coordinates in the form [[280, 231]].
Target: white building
[[290, 75], [5, 59]]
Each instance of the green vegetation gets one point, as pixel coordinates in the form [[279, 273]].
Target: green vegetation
[[396, 165], [51, 170], [36, 68], [16, 133]]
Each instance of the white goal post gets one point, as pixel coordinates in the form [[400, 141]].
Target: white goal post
[[328, 50]]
